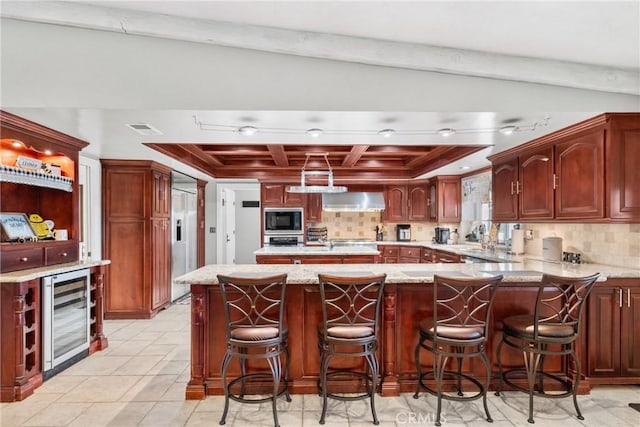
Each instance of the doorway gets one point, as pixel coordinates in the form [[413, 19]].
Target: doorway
[[238, 222]]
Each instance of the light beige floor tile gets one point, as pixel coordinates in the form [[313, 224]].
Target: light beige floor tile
[[169, 414], [116, 414], [333, 419], [166, 325], [57, 414], [178, 338], [132, 414], [62, 384], [149, 388], [138, 365], [168, 367], [132, 348], [16, 413], [101, 389], [147, 336], [206, 419], [157, 350], [211, 404], [97, 365], [176, 391]]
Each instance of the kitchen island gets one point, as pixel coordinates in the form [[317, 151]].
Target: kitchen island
[[317, 254], [407, 299]]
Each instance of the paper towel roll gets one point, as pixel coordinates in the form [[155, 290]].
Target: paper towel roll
[[517, 242]]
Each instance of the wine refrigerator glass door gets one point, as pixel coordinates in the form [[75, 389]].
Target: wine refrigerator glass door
[[66, 317]]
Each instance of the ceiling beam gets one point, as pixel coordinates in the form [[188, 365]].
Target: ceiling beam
[[279, 155], [354, 155], [321, 45]]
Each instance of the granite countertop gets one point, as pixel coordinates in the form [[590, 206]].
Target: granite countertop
[[468, 249], [36, 273], [317, 250], [525, 271]]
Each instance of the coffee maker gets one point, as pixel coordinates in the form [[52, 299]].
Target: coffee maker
[[403, 232], [442, 235]]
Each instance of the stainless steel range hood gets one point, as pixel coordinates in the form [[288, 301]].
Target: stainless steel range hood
[[353, 202]]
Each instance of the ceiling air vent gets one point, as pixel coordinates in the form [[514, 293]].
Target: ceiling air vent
[[144, 129]]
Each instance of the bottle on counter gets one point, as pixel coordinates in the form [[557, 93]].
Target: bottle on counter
[[454, 236]]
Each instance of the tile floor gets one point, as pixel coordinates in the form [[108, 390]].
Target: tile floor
[[140, 381]]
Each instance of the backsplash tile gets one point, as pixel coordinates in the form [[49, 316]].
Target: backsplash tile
[[613, 244]]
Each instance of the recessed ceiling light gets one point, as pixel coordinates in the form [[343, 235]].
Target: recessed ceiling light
[[386, 132], [16, 143], [508, 130], [446, 131], [48, 152], [315, 132], [247, 130]]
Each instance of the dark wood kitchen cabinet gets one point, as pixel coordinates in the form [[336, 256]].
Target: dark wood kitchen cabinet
[[136, 198], [200, 217], [614, 332], [52, 197], [395, 198], [406, 202], [623, 174], [585, 172], [505, 199], [276, 195], [445, 199]]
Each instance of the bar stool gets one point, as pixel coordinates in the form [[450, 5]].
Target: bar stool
[[458, 328], [555, 322], [349, 328], [255, 329]]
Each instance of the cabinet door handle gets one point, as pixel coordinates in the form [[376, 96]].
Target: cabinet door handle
[[620, 294], [63, 254], [628, 297], [512, 183], [24, 259], [517, 187], [555, 185]]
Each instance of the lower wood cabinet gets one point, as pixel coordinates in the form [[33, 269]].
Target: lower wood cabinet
[[21, 333], [447, 257], [409, 255], [613, 330], [389, 254]]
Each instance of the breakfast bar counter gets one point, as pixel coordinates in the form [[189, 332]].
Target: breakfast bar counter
[[407, 300]]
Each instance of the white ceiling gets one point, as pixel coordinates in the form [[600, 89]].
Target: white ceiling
[[601, 38]]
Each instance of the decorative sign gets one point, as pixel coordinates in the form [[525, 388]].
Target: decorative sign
[[28, 163], [15, 226]]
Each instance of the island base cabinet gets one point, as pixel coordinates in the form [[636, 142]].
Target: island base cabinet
[[614, 333], [404, 306]]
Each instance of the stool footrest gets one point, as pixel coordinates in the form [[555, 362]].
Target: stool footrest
[[537, 392], [479, 394]]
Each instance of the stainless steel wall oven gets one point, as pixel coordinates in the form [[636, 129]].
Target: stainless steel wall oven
[[65, 319]]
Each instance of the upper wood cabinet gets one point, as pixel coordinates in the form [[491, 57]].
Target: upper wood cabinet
[[417, 200], [406, 202], [561, 176], [579, 176], [161, 186], [445, 202], [276, 195], [395, 198], [623, 171], [505, 199]]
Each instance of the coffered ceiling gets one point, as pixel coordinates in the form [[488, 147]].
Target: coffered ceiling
[[285, 162]]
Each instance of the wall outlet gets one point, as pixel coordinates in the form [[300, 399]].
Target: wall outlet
[[212, 229], [528, 234]]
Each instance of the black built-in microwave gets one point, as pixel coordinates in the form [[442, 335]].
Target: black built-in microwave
[[283, 221]]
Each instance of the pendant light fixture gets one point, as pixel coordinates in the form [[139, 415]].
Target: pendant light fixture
[[304, 188]]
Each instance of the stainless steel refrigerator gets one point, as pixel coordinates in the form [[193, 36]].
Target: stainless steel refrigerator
[[183, 238]]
